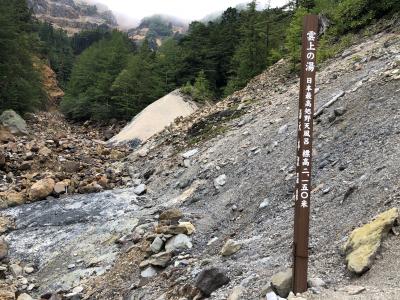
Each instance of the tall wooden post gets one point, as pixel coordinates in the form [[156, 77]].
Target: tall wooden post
[[304, 153]]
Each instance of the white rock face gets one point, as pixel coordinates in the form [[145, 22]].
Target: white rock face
[[154, 118]]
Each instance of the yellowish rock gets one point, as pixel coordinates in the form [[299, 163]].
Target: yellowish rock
[[7, 295], [41, 189], [6, 224], [230, 247], [364, 242], [189, 227], [12, 198]]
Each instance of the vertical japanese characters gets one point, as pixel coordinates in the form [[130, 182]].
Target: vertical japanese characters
[[306, 109]]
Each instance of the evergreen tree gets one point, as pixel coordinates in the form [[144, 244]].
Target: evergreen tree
[[137, 85], [293, 36], [88, 93], [201, 91], [169, 60], [250, 57], [84, 39], [56, 47], [20, 82]]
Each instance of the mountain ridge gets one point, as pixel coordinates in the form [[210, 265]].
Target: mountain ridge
[[72, 16]]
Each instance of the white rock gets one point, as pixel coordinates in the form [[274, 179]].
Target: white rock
[[294, 297], [271, 296], [190, 153], [212, 241], [140, 189], [264, 204], [220, 181], [148, 272], [77, 290], [24, 297]]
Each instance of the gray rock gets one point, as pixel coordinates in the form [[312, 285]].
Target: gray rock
[[331, 117], [190, 153], [178, 242], [13, 122], [157, 245], [16, 270], [340, 111], [245, 120], [281, 283], [140, 189], [230, 247], [210, 280], [316, 282], [161, 259], [283, 129], [148, 272]]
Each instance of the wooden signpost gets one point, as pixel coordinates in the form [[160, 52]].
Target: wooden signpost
[[304, 153]]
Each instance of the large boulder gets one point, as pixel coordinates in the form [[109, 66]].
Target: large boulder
[[364, 242], [41, 189], [13, 122]]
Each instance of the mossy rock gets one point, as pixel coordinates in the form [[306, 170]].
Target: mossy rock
[[364, 242]]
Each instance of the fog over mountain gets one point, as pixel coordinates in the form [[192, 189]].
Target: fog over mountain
[[129, 13]]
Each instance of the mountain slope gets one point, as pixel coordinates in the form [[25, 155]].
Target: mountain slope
[[356, 149], [72, 16]]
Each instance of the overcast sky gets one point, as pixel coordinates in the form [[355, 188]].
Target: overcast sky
[[184, 9]]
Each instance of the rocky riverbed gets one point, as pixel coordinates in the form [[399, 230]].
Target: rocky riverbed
[[48, 157]]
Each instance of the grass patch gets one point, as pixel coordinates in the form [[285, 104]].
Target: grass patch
[[212, 125]]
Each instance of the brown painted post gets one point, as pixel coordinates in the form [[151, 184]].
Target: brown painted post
[[304, 153]]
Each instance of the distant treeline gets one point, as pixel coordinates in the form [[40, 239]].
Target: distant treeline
[[105, 75]]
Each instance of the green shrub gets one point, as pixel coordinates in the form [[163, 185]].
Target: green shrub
[[350, 15]]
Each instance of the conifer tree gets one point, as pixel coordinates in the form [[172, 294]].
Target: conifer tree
[[20, 82], [138, 85], [88, 93]]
